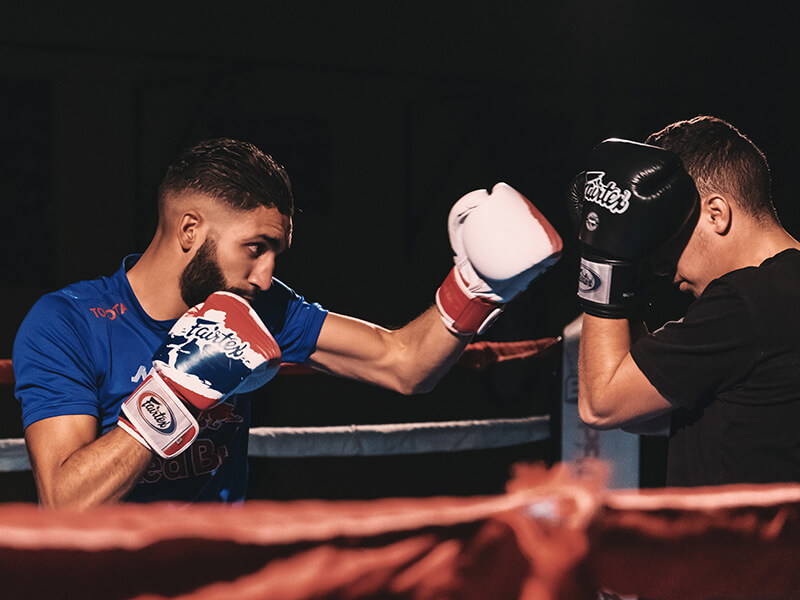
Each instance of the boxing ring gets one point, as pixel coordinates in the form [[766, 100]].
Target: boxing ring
[[560, 533]]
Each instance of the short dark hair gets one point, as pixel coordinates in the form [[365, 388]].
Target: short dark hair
[[721, 159], [233, 172]]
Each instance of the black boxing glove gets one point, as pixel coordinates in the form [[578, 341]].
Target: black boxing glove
[[633, 199]]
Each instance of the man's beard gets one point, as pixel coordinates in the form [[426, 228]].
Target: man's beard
[[203, 276]]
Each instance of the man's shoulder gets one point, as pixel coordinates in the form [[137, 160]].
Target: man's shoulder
[[293, 320], [273, 305], [780, 271], [786, 260], [767, 295], [78, 296], [73, 305]]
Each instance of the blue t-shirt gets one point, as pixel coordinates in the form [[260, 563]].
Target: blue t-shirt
[[85, 348]]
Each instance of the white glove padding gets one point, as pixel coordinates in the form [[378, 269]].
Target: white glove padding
[[158, 419], [501, 243]]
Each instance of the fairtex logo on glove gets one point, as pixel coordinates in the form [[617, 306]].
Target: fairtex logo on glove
[[608, 195], [210, 332], [156, 413], [215, 349], [588, 280], [204, 356], [594, 281]]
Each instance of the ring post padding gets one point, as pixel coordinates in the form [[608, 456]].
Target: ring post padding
[[619, 449]]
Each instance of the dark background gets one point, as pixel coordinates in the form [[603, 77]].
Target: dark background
[[384, 114]]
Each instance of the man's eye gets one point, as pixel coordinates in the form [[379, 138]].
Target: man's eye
[[256, 249]]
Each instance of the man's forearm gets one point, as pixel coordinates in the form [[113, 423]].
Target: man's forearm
[[432, 347], [408, 360], [605, 344], [612, 390], [98, 473]]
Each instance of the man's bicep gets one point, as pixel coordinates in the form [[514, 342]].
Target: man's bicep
[[345, 341], [55, 370]]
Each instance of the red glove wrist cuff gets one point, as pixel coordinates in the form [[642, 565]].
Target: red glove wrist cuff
[[462, 312]]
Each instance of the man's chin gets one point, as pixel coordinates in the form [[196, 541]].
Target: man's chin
[[689, 289], [248, 295]]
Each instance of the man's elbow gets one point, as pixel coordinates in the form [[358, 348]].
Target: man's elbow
[[50, 499], [411, 386], [56, 491], [591, 413], [409, 378], [54, 499]]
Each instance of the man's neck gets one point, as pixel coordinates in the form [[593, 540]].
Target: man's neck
[[763, 242], [155, 281]]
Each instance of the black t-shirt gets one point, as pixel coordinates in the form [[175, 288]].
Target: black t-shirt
[[731, 367]]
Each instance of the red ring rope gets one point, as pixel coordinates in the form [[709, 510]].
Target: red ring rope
[[478, 355]]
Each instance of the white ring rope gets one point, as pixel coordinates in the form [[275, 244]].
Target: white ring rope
[[361, 440], [13, 455], [396, 438]]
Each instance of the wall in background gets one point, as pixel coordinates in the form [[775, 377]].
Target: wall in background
[[384, 115]]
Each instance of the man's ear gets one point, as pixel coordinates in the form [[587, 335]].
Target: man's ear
[[189, 229], [717, 211]]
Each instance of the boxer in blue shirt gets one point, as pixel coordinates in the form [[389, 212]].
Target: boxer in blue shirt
[[225, 214]]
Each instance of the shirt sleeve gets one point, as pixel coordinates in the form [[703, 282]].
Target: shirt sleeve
[[294, 322], [710, 350], [53, 364]]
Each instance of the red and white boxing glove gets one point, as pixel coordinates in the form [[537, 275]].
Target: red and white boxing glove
[[501, 243], [216, 349]]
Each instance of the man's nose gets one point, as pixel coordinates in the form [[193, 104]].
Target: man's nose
[[662, 266], [261, 274]]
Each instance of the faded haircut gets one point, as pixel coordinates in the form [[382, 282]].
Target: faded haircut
[[235, 173], [721, 160]]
